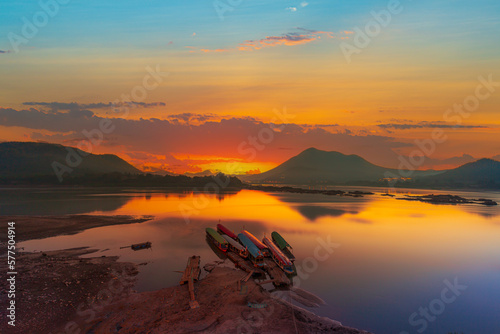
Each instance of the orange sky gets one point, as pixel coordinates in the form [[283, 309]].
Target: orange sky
[[204, 112]]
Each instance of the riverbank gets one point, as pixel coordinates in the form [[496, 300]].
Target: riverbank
[[41, 227], [223, 309], [54, 288], [60, 292]]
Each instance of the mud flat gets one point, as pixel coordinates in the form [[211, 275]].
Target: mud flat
[[59, 292], [223, 309], [52, 288], [40, 227], [448, 199]]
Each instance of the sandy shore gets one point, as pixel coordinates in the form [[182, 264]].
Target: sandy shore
[[40, 227], [60, 292], [54, 287], [223, 309]]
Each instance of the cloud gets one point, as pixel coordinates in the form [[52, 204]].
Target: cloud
[[193, 118], [221, 137], [425, 124], [214, 50], [294, 9], [5, 51], [253, 171], [57, 106], [293, 38], [302, 36], [319, 125]]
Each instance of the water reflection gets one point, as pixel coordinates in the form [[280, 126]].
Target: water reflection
[[220, 254], [313, 212], [46, 202], [392, 259]]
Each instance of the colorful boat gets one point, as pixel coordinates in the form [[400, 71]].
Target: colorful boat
[[224, 230], [235, 246], [281, 260], [254, 254], [217, 239], [283, 245], [265, 251]]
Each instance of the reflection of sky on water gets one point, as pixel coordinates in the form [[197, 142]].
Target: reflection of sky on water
[[392, 259]]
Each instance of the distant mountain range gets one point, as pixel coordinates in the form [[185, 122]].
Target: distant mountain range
[[29, 163], [313, 167], [32, 163], [28, 159], [483, 173]]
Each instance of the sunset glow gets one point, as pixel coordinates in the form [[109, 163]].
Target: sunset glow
[[217, 79]]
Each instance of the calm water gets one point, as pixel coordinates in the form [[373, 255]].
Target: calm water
[[392, 259]]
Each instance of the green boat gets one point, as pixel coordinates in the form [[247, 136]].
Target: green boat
[[283, 245], [217, 239]]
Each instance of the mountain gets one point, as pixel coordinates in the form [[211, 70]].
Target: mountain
[[28, 159], [483, 173], [314, 166]]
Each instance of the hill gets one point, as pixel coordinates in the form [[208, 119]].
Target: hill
[[28, 159], [314, 166], [483, 173]]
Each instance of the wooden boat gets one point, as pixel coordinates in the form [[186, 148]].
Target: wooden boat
[[220, 254], [245, 265], [235, 246], [265, 251], [190, 275], [254, 254], [281, 260], [217, 239], [192, 270], [224, 230], [142, 245], [283, 245]]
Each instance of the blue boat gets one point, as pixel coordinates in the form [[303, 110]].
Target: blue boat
[[254, 254]]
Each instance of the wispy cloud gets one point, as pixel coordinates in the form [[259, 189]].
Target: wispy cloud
[[301, 36], [56, 106], [425, 124], [5, 51], [295, 8]]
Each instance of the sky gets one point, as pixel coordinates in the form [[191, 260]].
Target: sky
[[242, 86]]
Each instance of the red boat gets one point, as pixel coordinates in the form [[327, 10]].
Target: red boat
[[281, 260], [263, 248], [224, 230]]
